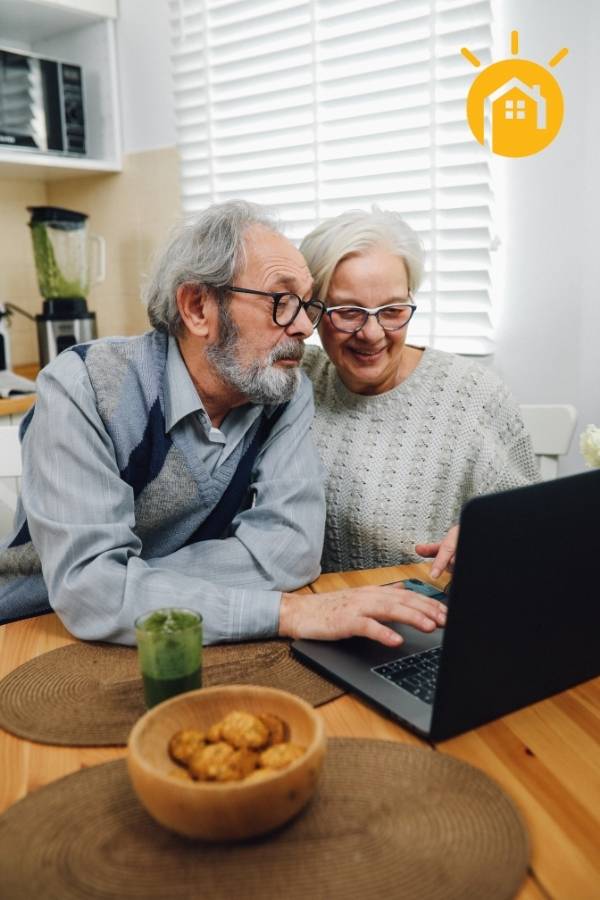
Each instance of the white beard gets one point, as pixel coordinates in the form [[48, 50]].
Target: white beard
[[260, 382]]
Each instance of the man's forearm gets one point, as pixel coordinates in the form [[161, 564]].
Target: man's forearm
[[230, 562], [100, 601]]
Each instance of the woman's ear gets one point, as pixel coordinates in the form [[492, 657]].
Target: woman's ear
[[196, 308]]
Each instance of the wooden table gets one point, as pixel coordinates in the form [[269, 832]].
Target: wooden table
[[546, 757]]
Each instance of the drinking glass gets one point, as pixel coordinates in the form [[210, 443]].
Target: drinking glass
[[169, 644]]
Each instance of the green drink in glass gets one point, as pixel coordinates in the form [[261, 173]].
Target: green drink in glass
[[169, 644]]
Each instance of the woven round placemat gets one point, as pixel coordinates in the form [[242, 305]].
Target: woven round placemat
[[388, 821], [91, 694]]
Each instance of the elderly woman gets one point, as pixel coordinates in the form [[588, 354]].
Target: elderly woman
[[407, 433]]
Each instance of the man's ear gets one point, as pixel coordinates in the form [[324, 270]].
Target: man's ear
[[196, 307]]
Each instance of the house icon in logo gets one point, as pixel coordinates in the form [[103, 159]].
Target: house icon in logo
[[515, 105], [515, 108]]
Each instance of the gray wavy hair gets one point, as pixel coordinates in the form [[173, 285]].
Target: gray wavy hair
[[208, 250], [355, 231]]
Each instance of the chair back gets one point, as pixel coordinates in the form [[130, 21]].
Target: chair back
[[551, 426]]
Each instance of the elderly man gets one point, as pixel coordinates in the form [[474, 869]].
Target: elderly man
[[176, 468]]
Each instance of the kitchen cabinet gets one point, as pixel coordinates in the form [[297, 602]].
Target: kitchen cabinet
[[80, 32]]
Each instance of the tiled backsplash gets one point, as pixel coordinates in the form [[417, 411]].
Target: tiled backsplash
[[133, 211]]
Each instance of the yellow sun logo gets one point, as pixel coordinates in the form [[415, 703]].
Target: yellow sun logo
[[515, 105]]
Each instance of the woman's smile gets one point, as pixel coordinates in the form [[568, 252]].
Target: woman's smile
[[367, 355]]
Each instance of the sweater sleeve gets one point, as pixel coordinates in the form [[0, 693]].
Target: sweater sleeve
[[504, 456]]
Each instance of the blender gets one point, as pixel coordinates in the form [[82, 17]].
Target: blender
[[61, 248]]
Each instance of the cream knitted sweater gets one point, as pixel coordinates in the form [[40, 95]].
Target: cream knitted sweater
[[401, 464]]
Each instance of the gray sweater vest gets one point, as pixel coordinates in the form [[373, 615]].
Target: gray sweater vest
[[174, 493]]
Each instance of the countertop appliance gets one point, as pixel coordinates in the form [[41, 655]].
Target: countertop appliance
[[61, 248], [41, 104]]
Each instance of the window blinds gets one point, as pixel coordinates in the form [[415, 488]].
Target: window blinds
[[314, 107]]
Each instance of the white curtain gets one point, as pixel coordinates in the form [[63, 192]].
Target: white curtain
[[313, 107]]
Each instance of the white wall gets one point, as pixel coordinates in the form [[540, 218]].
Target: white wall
[[548, 347], [145, 71]]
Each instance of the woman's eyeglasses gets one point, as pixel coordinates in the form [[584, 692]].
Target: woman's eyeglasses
[[391, 317]]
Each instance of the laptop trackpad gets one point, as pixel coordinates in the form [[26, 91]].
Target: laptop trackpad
[[373, 653]]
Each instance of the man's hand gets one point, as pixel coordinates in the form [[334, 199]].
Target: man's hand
[[358, 611], [444, 552]]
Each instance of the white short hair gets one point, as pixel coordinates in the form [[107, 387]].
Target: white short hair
[[354, 232]]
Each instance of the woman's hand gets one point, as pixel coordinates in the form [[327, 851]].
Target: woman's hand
[[444, 552], [358, 611]]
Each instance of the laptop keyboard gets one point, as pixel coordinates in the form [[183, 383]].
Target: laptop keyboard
[[417, 674]]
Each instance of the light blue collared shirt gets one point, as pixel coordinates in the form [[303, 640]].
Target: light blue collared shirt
[[81, 514], [184, 408]]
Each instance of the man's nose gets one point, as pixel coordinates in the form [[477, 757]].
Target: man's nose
[[301, 325]]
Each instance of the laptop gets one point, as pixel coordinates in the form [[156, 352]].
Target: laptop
[[523, 617]]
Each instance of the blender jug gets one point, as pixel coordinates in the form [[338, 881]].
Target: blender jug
[[61, 249]]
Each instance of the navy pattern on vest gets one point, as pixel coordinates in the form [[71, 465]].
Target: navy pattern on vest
[[126, 375]]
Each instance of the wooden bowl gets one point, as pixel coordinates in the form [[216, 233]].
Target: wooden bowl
[[232, 810]]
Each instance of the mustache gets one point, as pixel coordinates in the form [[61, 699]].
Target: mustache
[[288, 349]]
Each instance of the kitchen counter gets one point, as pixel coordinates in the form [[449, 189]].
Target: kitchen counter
[[16, 406]]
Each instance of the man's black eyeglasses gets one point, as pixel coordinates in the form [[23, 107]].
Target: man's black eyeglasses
[[286, 306]]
